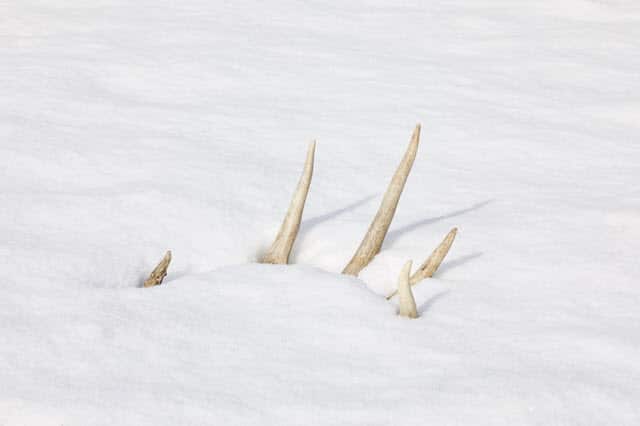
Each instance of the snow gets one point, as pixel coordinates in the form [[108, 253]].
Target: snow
[[130, 128]]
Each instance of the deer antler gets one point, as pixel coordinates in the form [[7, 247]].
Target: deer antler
[[407, 302], [159, 272], [372, 241], [430, 266], [281, 247]]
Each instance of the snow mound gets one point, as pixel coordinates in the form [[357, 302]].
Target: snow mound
[[132, 128]]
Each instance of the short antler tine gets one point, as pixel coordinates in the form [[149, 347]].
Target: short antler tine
[[430, 266], [407, 302]]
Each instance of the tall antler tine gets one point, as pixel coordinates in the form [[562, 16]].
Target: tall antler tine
[[281, 247], [407, 303], [159, 272], [373, 239]]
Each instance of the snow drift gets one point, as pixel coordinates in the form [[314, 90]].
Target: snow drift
[[130, 128]]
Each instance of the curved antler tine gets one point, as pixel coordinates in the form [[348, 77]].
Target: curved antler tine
[[431, 265], [407, 303], [281, 247], [373, 239], [159, 272]]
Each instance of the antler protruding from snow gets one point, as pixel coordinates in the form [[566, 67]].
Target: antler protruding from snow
[[430, 266], [281, 247], [159, 272], [407, 303], [373, 239], [371, 244]]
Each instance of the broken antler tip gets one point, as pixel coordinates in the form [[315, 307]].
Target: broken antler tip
[[159, 272]]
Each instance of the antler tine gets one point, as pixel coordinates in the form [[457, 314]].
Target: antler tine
[[372, 241], [430, 266], [407, 302], [159, 272], [281, 247]]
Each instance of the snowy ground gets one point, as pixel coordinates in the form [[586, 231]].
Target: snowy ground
[[128, 128]]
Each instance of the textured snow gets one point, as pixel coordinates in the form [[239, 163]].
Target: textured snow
[[129, 128]]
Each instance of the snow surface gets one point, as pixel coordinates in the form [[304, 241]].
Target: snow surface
[[129, 128]]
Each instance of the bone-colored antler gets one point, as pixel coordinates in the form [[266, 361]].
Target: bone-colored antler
[[407, 303], [159, 272], [373, 239], [281, 247], [371, 243], [430, 266]]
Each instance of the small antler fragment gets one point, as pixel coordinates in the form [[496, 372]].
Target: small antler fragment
[[160, 271]]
